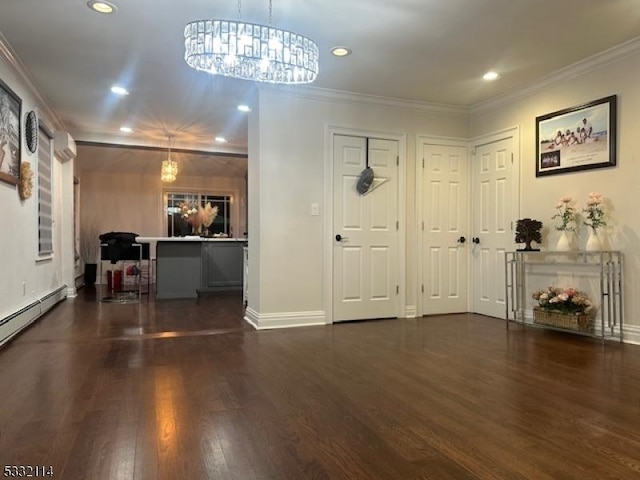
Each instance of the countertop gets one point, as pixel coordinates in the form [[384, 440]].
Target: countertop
[[187, 239]]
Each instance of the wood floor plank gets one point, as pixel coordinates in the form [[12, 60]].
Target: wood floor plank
[[186, 389]]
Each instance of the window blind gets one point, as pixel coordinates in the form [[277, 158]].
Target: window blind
[[45, 208]]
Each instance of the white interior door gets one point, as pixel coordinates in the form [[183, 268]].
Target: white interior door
[[445, 252], [494, 211], [365, 253]]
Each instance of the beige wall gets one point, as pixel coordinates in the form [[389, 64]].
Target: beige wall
[[292, 146], [619, 185], [133, 202]]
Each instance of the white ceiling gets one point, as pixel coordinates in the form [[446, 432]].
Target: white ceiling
[[431, 51], [104, 158]]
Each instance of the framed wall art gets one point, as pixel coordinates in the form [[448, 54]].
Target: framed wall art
[[10, 111], [577, 138]]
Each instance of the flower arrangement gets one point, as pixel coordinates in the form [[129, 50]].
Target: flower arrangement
[[197, 216], [192, 213], [566, 301], [594, 212], [208, 216], [566, 212]]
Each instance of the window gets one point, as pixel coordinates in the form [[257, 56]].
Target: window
[[45, 210], [177, 224]]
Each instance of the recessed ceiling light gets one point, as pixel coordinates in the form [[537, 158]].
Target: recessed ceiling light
[[117, 89], [341, 51], [101, 6], [126, 129], [490, 76], [244, 108], [221, 140]]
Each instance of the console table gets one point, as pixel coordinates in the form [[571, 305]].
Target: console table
[[598, 273]]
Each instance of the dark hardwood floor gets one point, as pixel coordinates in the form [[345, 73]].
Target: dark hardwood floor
[[186, 390]]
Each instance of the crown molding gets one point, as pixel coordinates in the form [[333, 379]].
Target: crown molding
[[44, 106], [340, 96], [559, 76]]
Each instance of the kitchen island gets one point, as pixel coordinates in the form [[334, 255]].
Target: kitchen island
[[187, 266]]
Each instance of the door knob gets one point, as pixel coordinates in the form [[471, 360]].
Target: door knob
[[462, 240], [339, 238], [476, 240]]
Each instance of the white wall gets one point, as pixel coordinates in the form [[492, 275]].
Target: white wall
[[290, 174], [619, 184], [24, 277]]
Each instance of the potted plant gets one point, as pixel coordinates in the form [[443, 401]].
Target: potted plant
[[563, 308], [566, 213], [89, 251], [594, 219]]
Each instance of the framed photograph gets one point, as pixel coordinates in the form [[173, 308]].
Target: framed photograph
[[10, 112], [577, 138]]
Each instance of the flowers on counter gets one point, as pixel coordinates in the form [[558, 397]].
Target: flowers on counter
[[209, 214], [198, 217]]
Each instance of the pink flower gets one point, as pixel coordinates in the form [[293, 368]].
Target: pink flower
[[566, 199]]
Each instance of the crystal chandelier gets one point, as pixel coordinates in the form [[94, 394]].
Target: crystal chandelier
[[169, 167], [250, 51]]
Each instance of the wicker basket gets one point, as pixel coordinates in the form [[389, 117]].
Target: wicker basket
[[582, 323]]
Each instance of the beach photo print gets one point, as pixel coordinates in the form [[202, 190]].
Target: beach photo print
[[577, 138]]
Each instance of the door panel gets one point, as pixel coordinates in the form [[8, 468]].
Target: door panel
[[365, 261], [492, 214], [445, 218]]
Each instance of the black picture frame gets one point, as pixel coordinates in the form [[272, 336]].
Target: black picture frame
[[10, 135], [577, 138]]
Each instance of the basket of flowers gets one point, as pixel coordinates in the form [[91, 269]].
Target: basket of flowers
[[565, 308]]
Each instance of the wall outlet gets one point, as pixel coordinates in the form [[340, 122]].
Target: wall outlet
[[315, 209]]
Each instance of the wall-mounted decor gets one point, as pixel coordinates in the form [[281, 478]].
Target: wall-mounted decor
[[25, 187], [10, 105], [31, 131], [577, 138]]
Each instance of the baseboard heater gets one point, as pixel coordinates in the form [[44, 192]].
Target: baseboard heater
[[17, 321]]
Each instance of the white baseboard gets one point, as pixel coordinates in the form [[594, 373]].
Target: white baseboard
[[12, 324], [410, 311], [265, 321], [631, 334]]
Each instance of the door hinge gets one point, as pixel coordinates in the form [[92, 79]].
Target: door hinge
[[423, 163], [422, 288], [512, 225], [511, 158], [397, 289], [397, 225], [422, 225]]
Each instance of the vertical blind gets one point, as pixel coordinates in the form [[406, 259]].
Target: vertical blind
[[45, 210]]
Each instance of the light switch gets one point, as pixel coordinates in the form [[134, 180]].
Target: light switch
[[315, 209]]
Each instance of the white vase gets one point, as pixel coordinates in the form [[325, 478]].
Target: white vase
[[564, 242], [593, 242]]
